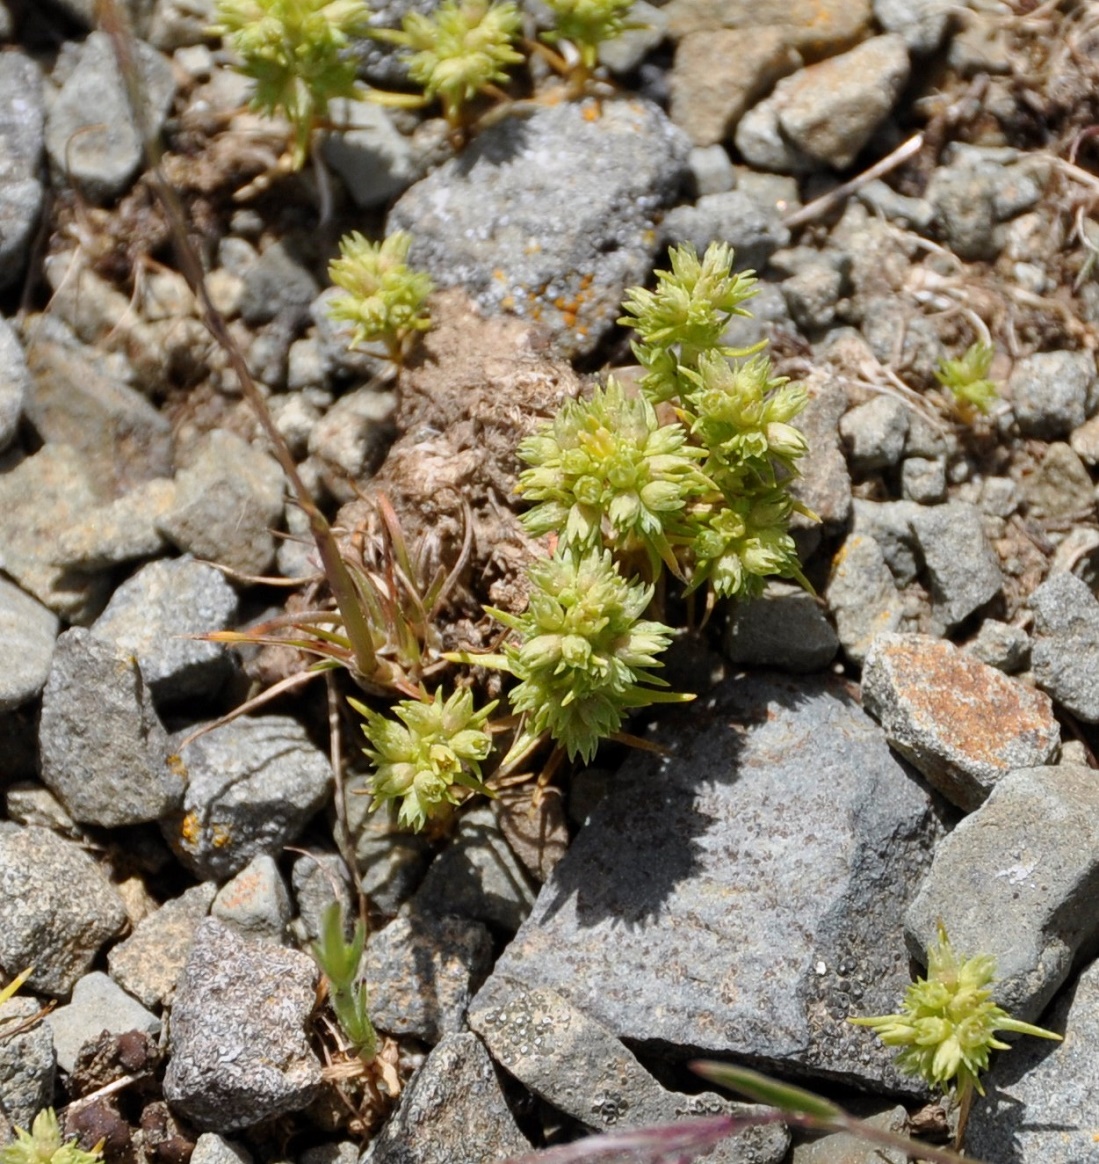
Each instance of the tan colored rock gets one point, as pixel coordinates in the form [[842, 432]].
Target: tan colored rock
[[816, 28]]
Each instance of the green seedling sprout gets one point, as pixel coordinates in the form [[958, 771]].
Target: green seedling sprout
[[340, 959], [383, 299], [297, 53], [947, 1026], [43, 1145], [463, 49], [426, 759], [967, 381]]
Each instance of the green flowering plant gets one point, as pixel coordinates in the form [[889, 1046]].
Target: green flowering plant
[[947, 1026], [585, 24], [297, 53], [966, 379], [606, 472], [383, 299], [584, 656], [340, 959], [43, 1145], [424, 760], [460, 50]]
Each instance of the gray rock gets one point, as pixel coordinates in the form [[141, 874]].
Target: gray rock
[[477, 876], [149, 962], [923, 480], [121, 531], [214, 1149], [830, 110], [962, 724], [962, 196], [103, 750], [277, 282], [825, 484], [862, 596], [769, 311], [1041, 1102], [375, 162], [27, 1061], [719, 73], [238, 1050], [763, 145], [1065, 651], [29, 803], [962, 567], [819, 29], [423, 971], [341, 1152], [624, 52], [911, 213], [256, 902], [90, 134], [890, 523], [22, 122], [151, 616], [46, 924], [452, 1109], [782, 796], [14, 375], [1049, 392], [1017, 879], [40, 496], [550, 216], [351, 440], [252, 786], [1000, 645], [922, 23], [875, 433], [711, 170], [754, 231], [228, 499], [887, 318], [580, 1067], [390, 864], [999, 496], [844, 1148], [813, 295], [1060, 488], [28, 631], [319, 879], [176, 24], [784, 628], [97, 1005], [1078, 554], [1085, 441]]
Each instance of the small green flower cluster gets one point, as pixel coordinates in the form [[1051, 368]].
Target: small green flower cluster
[[418, 761], [586, 24], [948, 1024], [382, 298], [707, 494], [297, 53], [966, 379], [43, 1145]]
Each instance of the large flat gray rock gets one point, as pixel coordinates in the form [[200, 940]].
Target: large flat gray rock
[[744, 895]]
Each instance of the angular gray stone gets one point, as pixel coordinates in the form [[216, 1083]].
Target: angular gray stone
[[963, 725], [275, 283], [922, 23], [1049, 392], [121, 531], [97, 1005], [317, 880], [422, 973], [103, 750], [22, 123], [1043, 1098], [711, 170], [14, 376], [830, 110], [624, 52], [28, 803], [825, 483], [375, 162], [252, 786], [783, 798], [962, 568], [862, 596], [238, 1048], [875, 433], [813, 296], [27, 1061], [753, 229], [577, 1065], [843, 1148], [477, 876], [256, 902], [351, 440], [40, 496], [453, 1109], [551, 216], [213, 1149], [962, 196], [153, 613], [1017, 879], [763, 145], [1060, 488], [228, 498], [46, 924], [28, 631], [1001, 645], [90, 134], [180, 23], [784, 628], [923, 480], [1065, 650], [149, 962]]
